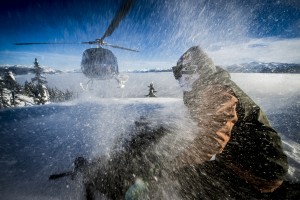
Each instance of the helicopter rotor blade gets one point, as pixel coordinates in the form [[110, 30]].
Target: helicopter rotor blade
[[118, 18], [122, 12], [34, 43], [90, 42], [119, 47]]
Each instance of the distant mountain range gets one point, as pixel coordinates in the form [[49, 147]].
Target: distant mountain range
[[149, 70], [259, 67], [21, 69], [253, 67]]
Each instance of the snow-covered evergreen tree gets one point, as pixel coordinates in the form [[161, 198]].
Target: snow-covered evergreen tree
[[1, 91], [5, 95], [13, 94], [57, 95], [10, 80], [68, 95], [29, 89], [11, 87], [6, 98], [39, 81]]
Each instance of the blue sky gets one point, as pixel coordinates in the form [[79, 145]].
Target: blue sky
[[230, 31]]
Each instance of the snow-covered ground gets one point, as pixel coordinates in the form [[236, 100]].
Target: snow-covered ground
[[37, 141]]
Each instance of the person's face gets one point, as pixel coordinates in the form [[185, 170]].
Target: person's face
[[185, 71], [186, 81], [186, 75]]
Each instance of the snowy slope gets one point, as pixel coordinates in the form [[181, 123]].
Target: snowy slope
[[40, 140]]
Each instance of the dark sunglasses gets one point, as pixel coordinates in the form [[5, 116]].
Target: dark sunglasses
[[177, 71], [182, 69]]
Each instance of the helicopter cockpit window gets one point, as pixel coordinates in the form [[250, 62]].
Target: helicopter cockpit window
[[99, 63]]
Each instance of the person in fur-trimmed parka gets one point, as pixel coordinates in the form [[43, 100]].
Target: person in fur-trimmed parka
[[232, 127]]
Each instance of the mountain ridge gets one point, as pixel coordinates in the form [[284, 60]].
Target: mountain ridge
[[22, 69], [252, 67], [262, 67]]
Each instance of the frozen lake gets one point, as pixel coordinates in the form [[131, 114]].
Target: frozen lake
[[40, 140]]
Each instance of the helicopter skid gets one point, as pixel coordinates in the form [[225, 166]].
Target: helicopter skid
[[121, 79]]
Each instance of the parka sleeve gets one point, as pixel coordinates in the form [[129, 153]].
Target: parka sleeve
[[214, 110], [255, 151]]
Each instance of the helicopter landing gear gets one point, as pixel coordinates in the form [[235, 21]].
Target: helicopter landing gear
[[121, 79], [88, 85]]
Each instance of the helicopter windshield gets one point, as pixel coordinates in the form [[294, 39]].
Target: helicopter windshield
[[99, 63]]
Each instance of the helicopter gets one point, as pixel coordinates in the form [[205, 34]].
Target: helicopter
[[100, 63]]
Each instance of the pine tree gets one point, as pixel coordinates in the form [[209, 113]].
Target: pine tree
[[41, 92], [11, 86], [68, 95], [51, 94], [10, 81], [1, 93], [29, 89], [5, 95]]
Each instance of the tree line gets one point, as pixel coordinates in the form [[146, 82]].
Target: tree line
[[34, 92]]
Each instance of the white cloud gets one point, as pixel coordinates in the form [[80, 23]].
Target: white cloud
[[230, 52], [261, 50]]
